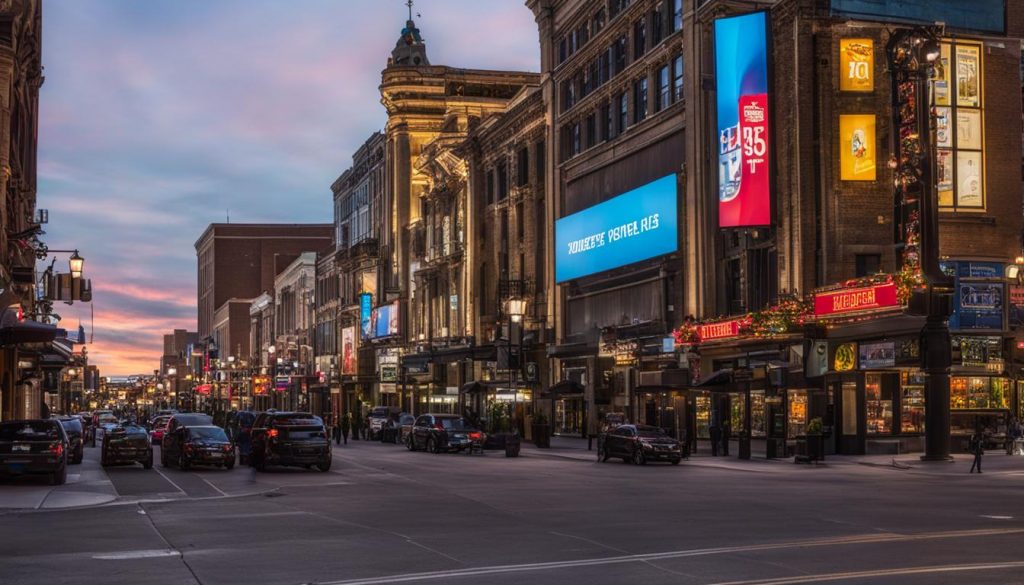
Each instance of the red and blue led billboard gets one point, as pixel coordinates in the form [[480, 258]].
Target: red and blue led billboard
[[744, 133]]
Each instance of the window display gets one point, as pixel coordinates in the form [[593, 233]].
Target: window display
[[849, 408], [757, 415], [958, 87], [703, 405], [912, 402], [797, 413], [878, 402], [736, 408], [979, 392]]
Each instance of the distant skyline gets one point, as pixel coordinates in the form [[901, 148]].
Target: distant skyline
[[159, 118]]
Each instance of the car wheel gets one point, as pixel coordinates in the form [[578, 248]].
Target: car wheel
[[676, 461], [409, 444], [183, 463], [432, 446], [259, 463], [605, 456], [230, 464], [638, 457], [148, 463], [325, 466], [104, 462], [60, 477]]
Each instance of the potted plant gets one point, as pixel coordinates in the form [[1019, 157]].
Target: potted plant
[[815, 440], [541, 430]]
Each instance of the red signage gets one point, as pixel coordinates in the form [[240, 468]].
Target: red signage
[[204, 389], [719, 330], [854, 300], [1017, 295]]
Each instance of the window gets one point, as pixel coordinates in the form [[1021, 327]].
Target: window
[[502, 181], [594, 73], [677, 78], [619, 52], [607, 122], [604, 65], [582, 35], [523, 167], [868, 264], [960, 125], [911, 402], [677, 15], [585, 83], [878, 402], [540, 162], [489, 179], [664, 97], [639, 100], [597, 23], [617, 6], [576, 143], [568, 94], [850, 409], [657, 24], [639, 38], [591, 130], [563, 51], [623, 103]]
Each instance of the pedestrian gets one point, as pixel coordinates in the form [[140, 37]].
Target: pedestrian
[[716, 438], [356, 424], [346, 426], [977, 447], [726, 433]]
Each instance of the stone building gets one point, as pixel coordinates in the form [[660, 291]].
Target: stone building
[[294, 295]]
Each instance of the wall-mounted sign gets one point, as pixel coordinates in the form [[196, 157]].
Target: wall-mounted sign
[[389, 372], [856, 65], [348, 350], [384, 321], [631, 227], [744, 135], [365, 314], [857, 147], [854, 300], [979, 295], [877, 355], [719, 330], [846, 357]]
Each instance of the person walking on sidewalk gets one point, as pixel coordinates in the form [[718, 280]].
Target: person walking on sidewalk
[[977, 446], [346, 426], [716, 438]]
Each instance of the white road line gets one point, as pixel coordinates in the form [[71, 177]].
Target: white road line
[[137, 554], [220, 491], [647, 557], [996, 517], [176, 486], [879, 573]]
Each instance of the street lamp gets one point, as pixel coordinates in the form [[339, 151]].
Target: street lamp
[[515, 308], [76, 263]]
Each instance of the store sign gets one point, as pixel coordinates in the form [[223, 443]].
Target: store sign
[[637, 225], [846, 357], [720, 330], [856, 65], [877, 355], [854, 300], [857, 147], [348, 350], [744, 136], [366, 314], [979, 295], [384, 321]]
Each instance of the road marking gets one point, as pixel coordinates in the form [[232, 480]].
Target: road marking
[[220, 491], [137, 554], [879, 573], [997, 517], [176, 486], [648, 557]]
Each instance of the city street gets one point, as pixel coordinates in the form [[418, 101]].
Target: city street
[[384, 515]]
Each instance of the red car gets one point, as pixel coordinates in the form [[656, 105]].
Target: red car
[[159, 426]]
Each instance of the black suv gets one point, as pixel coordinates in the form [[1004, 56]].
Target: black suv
[[290, 438], [174, 435], [206, 445], [37, 446], [76, 438], [127, 443], [439, 433]]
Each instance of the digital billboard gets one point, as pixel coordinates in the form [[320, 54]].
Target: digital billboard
[[348, 350], [631, 227], [365, 315], [744, 135], [857, 147], [384, 321]]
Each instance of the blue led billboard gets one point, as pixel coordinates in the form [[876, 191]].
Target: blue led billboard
[[365, 312], [637, 225]]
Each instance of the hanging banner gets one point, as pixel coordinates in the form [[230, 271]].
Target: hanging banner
[[856, 65], [744, 168], [857, 147], [348, 350], [854, 300]]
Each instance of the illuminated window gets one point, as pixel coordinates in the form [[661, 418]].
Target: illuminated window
[[959, 107]]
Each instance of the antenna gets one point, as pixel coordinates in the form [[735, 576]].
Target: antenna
[[409, 4]]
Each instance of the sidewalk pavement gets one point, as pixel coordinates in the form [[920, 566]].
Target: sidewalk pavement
[[994, 463], [87, 485]]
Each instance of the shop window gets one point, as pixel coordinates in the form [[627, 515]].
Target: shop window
[[849, 409], [878, 403], [868, 264], [797, 413], [757, 414], [979, 392], [959, 110], [736, 408], [911, 402], [702, 404]]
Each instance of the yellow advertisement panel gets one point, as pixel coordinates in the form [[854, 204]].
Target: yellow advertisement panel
[[856, 65], [857, 147]]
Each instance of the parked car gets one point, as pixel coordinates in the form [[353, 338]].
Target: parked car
[[104, 422], [290, 438], [76, 437], [241, 434], [127, 443], [439, 433], [401, 429], [171, 442], [640, 444], [205, 445], [88, 429], [37, 446], [378, 418], [159, 427]]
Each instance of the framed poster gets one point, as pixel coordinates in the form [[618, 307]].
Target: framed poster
[[969, 179], [857, 147], [944, 176], [941, 79], [856, 65], [968, 76], [943, 128], [968, 129]]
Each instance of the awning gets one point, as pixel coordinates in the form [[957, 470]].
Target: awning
[[564, 387], [570, 350], [29, 332], [473, 387]]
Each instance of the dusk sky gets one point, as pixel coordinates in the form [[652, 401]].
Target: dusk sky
[[159, 116]]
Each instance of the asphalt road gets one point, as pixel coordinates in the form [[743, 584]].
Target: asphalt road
[[384, 515]]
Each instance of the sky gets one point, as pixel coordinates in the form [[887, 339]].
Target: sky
[[159, 117]]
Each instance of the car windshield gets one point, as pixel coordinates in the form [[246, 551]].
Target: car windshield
[[71, 424], [456, 424], [379, 413], [207, 433], [107, 418], [33, 430], [298, 418], [130, 429], [193, 419], [408, 419]]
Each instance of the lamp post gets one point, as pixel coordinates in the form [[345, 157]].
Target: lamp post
[[515, 308], [913, 54]]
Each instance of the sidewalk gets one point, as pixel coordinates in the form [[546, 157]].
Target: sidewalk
[[87, 485], [994, 463]]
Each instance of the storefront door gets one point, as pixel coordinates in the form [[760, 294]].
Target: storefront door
[[569, 416]]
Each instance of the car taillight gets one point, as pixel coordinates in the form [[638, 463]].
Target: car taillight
[[474, 436], [439, 427], [272, 433], [227, 447], [57, 449]]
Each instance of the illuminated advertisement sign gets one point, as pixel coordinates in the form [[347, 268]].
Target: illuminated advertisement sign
[[720, 330], [856, 65], [744, 139], [384, 321], [348, 350], [631, 227], [365, 314], [854, 300], [877, 355], [857, 147]]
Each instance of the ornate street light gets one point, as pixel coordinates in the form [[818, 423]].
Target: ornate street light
[[516, 309], [76, 263]]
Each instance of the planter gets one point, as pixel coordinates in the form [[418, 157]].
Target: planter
[[541, 435], [512, 446], [498, 441], [816, 447]]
